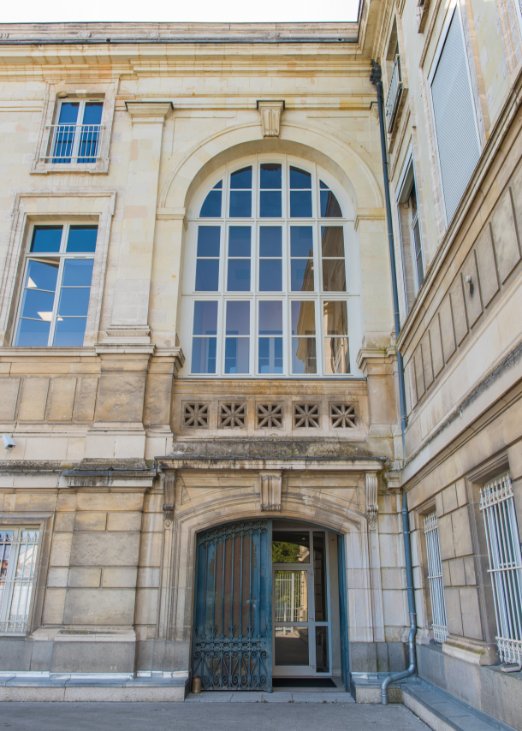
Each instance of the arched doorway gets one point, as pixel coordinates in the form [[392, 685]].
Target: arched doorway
[[268, 606]]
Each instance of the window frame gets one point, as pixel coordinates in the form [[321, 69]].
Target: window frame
[[408, 254], [254, 295], [433, 555]]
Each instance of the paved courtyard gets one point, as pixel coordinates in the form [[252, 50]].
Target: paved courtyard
[[282, 714]]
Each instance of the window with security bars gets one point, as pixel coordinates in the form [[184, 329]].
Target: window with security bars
[[18, 561], [435, 579], [497, 505], [76, 136]]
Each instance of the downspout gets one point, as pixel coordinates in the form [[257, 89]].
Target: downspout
[[376, 79]]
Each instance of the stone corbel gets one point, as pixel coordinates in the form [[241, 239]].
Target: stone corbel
[[270, 113], [169, 487], [270, 491], [371, 488]]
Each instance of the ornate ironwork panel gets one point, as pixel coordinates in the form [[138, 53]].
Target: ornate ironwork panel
[[232, 647]]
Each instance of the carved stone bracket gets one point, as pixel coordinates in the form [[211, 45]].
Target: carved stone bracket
[[169, 487], [270, 113], [371, 486], [270, 490]]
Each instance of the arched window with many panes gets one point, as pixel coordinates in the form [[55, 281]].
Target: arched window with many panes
[[267, 281]]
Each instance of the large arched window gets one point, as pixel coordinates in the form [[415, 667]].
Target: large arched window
[[267, 277]]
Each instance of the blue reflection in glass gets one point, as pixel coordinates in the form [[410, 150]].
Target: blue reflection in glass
[[238, 279], [270, 204], [330, 207], [238, 318], [302, 275], [36, 302], [207, 275], [270, 318], [77, 273], [74, 301], [270, 358], [82, 239], [301, 241], [42, 275], [300, 203], [208, 240], [239, 240], [205, 318], [33, 333], [270, 238], [211, 207], [237, 355], [241, 178], [270, 176], [90, 132], [270, 275], [65, 132], [300, 178], [46, 238], [204, 355], [69, 331], [240, 203]]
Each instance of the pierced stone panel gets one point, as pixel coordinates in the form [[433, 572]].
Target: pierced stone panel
[[269, 416], [342, 416], [306, 416], [232, 415], [195, 414]]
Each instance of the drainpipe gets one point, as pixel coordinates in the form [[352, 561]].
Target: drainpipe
[[376, 79]]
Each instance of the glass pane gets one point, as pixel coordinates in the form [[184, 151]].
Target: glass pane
[[33, 333], [270, 204], [238, 279], [320, 577], [207, 275], [300, 178], [240, 204], [304, 359], [291, 595], [38, 304], [291, 646], [205, 318], [241, 178], [42, 275], [270, 358], [239, 240], [321, 649], [74, 301], [270, 176], [46, 238], [238, 318], [336, 355], [334, 275], [270, 238], [270, 275], [301, 241], [302, 275], [290, 547], [77, 272], [93, 113], [237, 355], [211, 207], [335, 321], [69, 331], [68, 113], [204, 355], [270, 318], [208, 240], [303, 318], [82, 239], [332, 241], [330, 207], [300, 203]]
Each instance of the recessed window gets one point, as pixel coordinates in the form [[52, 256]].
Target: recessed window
[[411, 245], [75, 136], [18, 562], [268, 286], [56, 286]]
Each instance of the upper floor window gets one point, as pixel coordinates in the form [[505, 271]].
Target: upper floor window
[[394, 76], [76, 134], [56, 286], [411, 244], [455, 116], [267, 280]]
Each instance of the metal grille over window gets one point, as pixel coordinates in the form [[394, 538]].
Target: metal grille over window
[[77, 135], [435, 580], [232, 416], [306, 416], [195, 415], [342, 416], [505, 565], [18, 554], [269, 416]]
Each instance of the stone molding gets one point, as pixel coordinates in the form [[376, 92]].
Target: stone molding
[[371, 486], [270, 490], [270, 113], [147, 112]]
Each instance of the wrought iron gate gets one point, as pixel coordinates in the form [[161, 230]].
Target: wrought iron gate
[[232, 647]]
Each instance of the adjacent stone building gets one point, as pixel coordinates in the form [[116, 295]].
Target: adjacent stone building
[[203, 451]]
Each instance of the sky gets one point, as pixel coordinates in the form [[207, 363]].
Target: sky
[[32, 11]]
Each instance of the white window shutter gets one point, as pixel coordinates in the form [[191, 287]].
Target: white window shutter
[[454, 112]]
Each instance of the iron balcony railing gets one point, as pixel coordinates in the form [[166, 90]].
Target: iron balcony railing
[[394, 94], [74, 143]]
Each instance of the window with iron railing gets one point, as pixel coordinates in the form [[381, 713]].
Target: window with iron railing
[[394, 93], [77, 135], [497, 505], [18, 562], [435, 578]]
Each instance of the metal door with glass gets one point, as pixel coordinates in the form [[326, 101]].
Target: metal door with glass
[[300, 607], [232, 647]]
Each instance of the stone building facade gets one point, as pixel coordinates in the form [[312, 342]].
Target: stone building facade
[[204, 465]]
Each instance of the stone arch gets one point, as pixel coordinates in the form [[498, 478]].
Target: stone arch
[[349, 166]]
